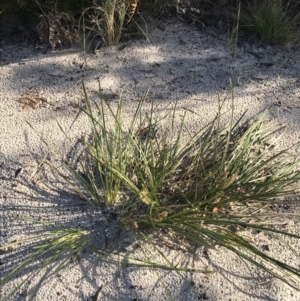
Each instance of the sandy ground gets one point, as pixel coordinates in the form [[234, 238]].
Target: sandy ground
[[179, 63]]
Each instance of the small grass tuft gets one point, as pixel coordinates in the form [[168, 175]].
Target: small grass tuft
[[107, 20], [198, 186]]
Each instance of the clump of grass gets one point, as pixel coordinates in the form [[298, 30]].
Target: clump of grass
[[198, 189], [107, 20], [200, 185], [273, 20]]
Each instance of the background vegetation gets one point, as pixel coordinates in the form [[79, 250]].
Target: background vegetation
[[267, 20]]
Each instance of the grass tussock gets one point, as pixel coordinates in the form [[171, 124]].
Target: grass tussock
[[107, 20], [195, 185], [272, 20]]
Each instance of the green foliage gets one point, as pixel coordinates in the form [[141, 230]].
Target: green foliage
[[198, 185], [273, 20]]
